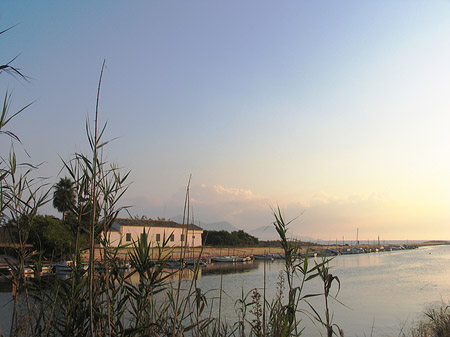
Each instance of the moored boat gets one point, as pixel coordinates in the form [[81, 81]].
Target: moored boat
[[194, 261], [242, 258], [267, 257], [63, 267], [229, 259], [66, 267]]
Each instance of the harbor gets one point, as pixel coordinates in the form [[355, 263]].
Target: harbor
[[205, 257], [374, 291]]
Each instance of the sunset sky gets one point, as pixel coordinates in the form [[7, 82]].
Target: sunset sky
[[337, 111]]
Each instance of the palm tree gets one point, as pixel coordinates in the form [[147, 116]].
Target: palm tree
[[64, 196]]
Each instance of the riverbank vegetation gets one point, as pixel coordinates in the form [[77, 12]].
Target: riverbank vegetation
[[435, 323], [227, 239], [52, 237]]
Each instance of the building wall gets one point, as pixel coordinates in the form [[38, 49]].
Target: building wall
[[194, 237], [114, 238]]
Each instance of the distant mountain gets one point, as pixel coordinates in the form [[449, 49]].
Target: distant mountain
[[219, 226], [265, 233], [215, 226]]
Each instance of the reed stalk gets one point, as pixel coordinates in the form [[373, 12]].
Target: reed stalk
[[95, 147]]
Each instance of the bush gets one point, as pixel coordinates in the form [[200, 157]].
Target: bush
[[233, 239]]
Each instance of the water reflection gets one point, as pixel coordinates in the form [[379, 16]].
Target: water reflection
[[357, 260], [216, 268], [222, 268], [186, 273]]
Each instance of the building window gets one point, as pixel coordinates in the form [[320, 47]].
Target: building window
[[182, 237], [172, 237], [128, 237], [158, 237], [144, 236]]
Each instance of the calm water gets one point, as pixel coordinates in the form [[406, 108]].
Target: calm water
[[382, 292]]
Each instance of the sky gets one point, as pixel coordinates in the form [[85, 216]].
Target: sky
[[338, 112]]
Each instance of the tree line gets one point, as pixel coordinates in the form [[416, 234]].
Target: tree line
[[55, 238], [223, 238]]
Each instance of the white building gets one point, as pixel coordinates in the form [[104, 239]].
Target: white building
[[125, 231]]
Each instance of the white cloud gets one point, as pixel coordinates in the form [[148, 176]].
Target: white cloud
[[221, 194], [236, 193], [218, 202]]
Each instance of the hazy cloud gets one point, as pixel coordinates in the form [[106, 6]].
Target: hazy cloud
[[323, 216]]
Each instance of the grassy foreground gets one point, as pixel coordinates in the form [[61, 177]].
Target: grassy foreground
[[123, 308]]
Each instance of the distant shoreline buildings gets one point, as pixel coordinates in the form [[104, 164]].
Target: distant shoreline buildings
[[125, 231]]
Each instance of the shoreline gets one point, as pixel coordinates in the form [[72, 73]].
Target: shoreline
[[176, 253]]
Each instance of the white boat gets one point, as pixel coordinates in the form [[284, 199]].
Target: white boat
[[267, 257], [356, 250], [229, 259]]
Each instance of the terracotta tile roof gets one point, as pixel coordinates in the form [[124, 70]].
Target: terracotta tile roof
[[154, 223]]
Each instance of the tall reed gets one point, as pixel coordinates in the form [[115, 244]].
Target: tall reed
[[435, 323]]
